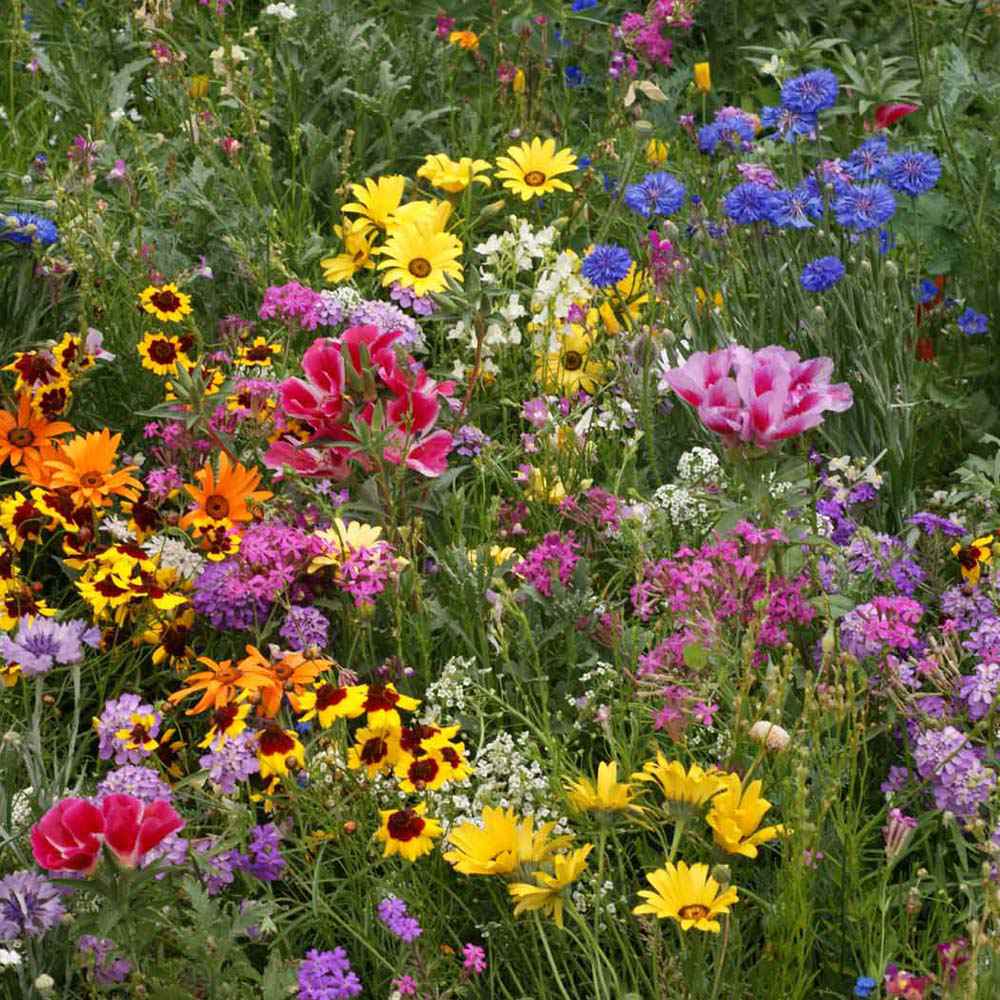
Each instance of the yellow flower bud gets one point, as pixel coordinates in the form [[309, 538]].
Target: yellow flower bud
[[198, 87], [518, 85], [703, 77], [656, 152]]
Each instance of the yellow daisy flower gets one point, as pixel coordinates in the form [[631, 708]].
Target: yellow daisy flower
[[408, 832], [546, 894], [328, 702], [606, 795], [444, 173], [735, 817], [432, 215], [419, 258], [376, 200], [166, 302], [684, 790], [688, 895], [568, 367], [374, 750], [358, 238], [531, 169]]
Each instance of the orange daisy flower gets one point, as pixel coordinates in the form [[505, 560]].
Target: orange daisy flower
[[223, 497], [291, 674], [22, 435], [86, 462], [220, 683]]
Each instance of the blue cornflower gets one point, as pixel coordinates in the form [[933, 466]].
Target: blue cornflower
[[926, 291], [864, 162], [796, 207], [606, 264], [582, 5], [972, 322], [583, 162], [574, 76], [748, 202], [820, 274], [865, 206], [863, 986], [886, 241], [789, 123], [813, 91], [27, 228], [912, 172], [708, 138], [660, 193]]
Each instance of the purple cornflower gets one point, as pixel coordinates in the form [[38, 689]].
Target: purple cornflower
[[788, 123], [822, 274], [388, 317], [29, 905], [122, 731], [757, 173], [305, 626], [470, 440], [41, 643], [139, 782], [913, 173], [930, 523], [555, 557], [231, 763], [972, 322], [606, 265], [393, 913], [475, 959], [811, 92], [327, 975], [292, 303], [659, 193], [979, 690], [265, 861], [865, 206], [98, 951], [865, 162]]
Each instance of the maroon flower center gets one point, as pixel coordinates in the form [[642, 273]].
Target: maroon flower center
[[53, 401], [327, 696], [275, 741], [166, 301], [572, 361], [381, 699], [139, 733], [374, 751], [405, 825], [423, 772], [259, 352], [163, 352], [21, 437], [217, 507], [411, 737], [34, 368], [224, 717]]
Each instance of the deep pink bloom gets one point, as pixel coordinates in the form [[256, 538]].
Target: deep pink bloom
[[889, 114], [899, 983], [68, 837], [133, 827], [758, 397]]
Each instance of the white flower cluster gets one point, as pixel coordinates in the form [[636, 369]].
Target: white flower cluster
[[687, 501], [284, 11], [699, 465], [597, 689], [515, 250], [501, 332], [452, 692], [589, 895], [22, 809], [10, 957], [558, 287], [174, 554]]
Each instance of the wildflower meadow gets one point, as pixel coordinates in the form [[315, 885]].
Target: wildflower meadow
[[499, 499]]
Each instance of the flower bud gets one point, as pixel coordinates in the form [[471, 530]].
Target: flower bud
[[770, 735]]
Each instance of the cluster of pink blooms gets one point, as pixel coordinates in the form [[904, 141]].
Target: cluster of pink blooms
[[366, 571], [554, 558], [360, 379], [758, 397], [723, 582], [644, 32], [295, 304], [596, 508]]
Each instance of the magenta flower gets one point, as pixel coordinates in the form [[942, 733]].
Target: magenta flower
[[758, 397]]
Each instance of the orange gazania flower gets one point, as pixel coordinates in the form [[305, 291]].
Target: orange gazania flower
[[220, 683], [23, 435], [291, 674], [86, 462], [467, 40], [223, 497]]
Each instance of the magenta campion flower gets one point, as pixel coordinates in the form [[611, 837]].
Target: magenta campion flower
[[758, 397]]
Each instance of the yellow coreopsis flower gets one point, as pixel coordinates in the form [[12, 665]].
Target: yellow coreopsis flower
[[166, 302], [531, 169], [736, 814], [376, 200], [444, 173], [568, 367], [546, 894], [408, 832], [688, 895], [608, 794], [973, 557], [358, 237], [279, 752], [656, 152], [375, 750], [684, 790], [503, 843], [161, 353], [703, 77], [421, 258], [328, 702]]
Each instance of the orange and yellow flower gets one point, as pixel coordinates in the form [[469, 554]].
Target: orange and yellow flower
[[85, 465], [25, 436], [223, 498]]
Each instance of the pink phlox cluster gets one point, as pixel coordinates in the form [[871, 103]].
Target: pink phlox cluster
[[883, 623], [554, 558], [366, 571], [348, 381], [758, 397]]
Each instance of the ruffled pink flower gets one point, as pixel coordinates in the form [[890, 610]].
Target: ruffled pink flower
[[758, 397], [888, 114]]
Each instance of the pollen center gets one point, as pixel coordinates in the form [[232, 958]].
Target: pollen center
[[217, 507], [572, 361], [693, 911], [163, 352], [534, 178], [91, 480], [419, 267], [165, 301]]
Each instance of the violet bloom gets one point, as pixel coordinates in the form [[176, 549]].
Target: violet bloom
[[758, 397], [397, 920], [305, 626], [30, 905], [294, 303], [41, 643], [106, 970], [265, 861], [327, 975], [232, 762], [140, 782], [139, 722], [554, 558]]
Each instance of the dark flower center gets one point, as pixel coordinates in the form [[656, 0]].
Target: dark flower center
[[693, 911], [374, 751], [422, 772], [534, 178], [419, 267], [163, 352], [165, 301], [21, 437], [275, 741], [328, 696], [405, 825], [572, 361], [92, 480], [224, 717], [217, 507], [380, 699]]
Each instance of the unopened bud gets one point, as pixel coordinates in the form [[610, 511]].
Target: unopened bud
[[770, 735]]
